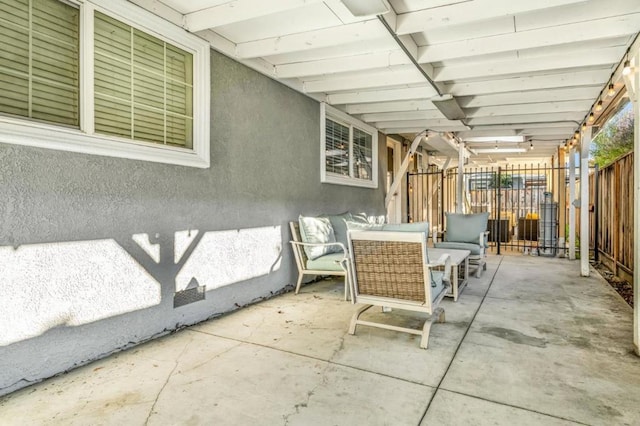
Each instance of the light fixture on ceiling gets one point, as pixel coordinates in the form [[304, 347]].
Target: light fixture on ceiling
[[612, 90], [599, 106], [591, 118], [626, 68], [496, 147], [530, 145], [499, 150], [449, 107], [364, 8]]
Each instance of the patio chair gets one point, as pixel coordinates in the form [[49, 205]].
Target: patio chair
[[467, 232], [331, 263], [392, 270]]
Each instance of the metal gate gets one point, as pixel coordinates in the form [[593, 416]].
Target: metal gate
[[527, 204]]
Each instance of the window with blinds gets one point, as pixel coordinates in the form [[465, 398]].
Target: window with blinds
[[143, 85], [39, 60], [337, 148], [349, 151]]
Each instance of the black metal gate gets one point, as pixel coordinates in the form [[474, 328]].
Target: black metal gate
[[526, 203]]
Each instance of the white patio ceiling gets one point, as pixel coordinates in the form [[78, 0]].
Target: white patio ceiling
[[532, 69]]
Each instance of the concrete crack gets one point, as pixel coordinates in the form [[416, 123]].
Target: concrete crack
[[305, 403], [155, 401]]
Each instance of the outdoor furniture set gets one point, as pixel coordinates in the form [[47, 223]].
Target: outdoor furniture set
[[390, 265]]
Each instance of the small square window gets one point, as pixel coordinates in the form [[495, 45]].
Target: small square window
[[349, 154]]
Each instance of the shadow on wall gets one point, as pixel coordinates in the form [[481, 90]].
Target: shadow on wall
[[74, 283]]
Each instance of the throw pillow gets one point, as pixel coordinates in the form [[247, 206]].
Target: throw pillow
[[317, 230]]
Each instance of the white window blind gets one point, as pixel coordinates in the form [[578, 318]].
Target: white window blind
[[39, 60], [143, 85], [349, 149], [337, 148]]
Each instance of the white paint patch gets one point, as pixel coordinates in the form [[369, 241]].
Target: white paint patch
[[226, 257], [69, 284]]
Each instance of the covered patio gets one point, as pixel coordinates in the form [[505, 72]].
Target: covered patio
[[530, 342], [153, 153]]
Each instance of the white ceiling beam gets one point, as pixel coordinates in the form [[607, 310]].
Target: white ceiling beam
[[343, 64], [396, 106], [161, 10], [416, 129], [408, 93], [518, 127], [533, 108], [527, 118], [462, 13], [308, 40], [549, 95], [568, 14], [440, 123], [486, 133], [385, 77], [598, 57], [616, 26], [405, 115], [236, 11], [537, 82], [382, 44], [553, 131]]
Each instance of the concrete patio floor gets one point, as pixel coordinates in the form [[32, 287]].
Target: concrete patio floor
[[528, 343]]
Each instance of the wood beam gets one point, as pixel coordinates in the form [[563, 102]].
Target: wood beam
[[425, 124], [599, 57], [386, 77], [418, 92], [527, 118], [462, 13], [433, 114], [308, 40], [533, 108], [616, 26], [395, 106], [532, 96], [538, 82], [342, 64], [236, 11]]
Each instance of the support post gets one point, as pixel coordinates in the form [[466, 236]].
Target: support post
[[636, 202], [397, 179], [572, 208], [460, 182], [585, 142], [562, 201]]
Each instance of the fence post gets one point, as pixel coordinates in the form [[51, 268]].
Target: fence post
[[596, 212]]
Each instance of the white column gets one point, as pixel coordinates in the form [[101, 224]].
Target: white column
[[585, 141], [572, 208], [460, 183], [636, 203]]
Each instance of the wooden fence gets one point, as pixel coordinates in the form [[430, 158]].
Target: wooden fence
[[614, 230]]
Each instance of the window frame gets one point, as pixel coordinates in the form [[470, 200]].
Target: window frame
[[329, 112], [24, 131]]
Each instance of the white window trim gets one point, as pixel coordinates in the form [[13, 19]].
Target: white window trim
[[327, 111], [30, 133]]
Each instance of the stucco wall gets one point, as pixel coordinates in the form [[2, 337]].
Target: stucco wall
[[92, 249]]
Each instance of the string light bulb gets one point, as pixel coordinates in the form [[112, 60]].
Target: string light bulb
[[584, 126], [626, 68], [530, 145], [599, 106], [612, 90], [592, 118]]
